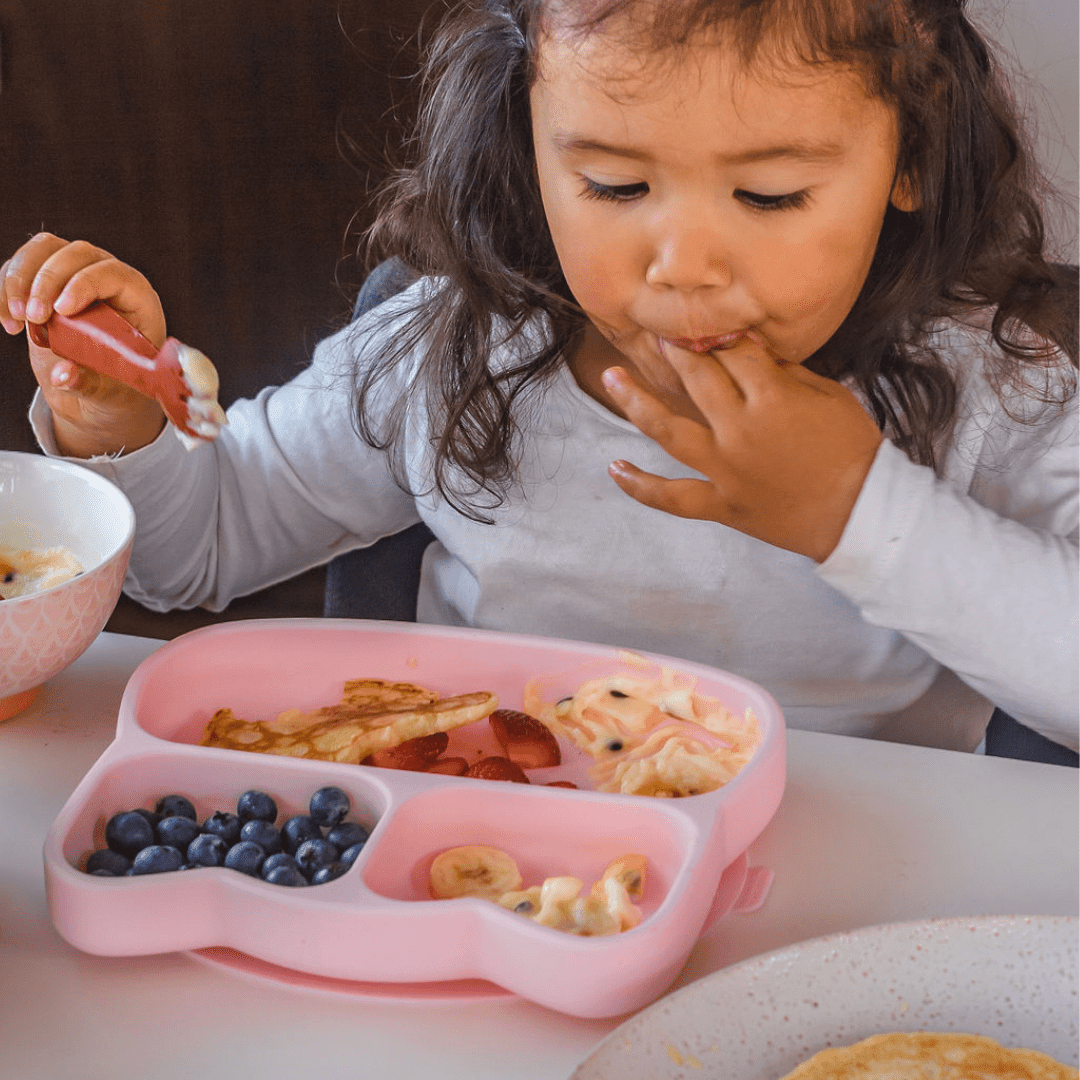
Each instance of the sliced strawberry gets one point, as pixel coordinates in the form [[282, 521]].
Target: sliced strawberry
[[561, 783], [497, 768], [415, 755], [449, 766], [524, 739]]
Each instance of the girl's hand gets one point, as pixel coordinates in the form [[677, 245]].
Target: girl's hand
[[784, 452], [92, 414]]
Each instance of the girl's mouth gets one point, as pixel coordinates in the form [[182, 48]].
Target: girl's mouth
[[708, 344]]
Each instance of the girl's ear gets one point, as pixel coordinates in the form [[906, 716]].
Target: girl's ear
[[905, 197]]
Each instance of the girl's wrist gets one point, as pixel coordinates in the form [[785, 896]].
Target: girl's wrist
[[80, 441]]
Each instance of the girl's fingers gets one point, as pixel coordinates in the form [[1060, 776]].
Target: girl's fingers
[[711, 386], [684, 439], [684, 498], [55, 275], [48, 273], [18, 275]]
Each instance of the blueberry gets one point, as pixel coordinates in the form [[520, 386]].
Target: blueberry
[[102, 872], [107, 859], [347, 834], [256, 806], [149, 815], [262, 833], [157, 859], [329, 805], [247, 857], [176, 806], [222, 824], [348, 856], [296, 830], [177, 832], [328, 873], [280, 859], [207, 850], [128, 832], [313, 855], [285, 875]]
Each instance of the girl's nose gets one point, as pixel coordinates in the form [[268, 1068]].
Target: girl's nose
[[688, 255]]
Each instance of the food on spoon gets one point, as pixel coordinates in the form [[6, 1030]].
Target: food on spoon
[[524, 739], [180, 378], [651, 736], [473, 870], [922, 1054], [497, 768], [373, 715], [492, 874], [29, 570]]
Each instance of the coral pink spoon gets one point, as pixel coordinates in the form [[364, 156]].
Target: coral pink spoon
[[181, 378]]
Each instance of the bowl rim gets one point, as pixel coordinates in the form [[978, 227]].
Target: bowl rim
[[93, 479]]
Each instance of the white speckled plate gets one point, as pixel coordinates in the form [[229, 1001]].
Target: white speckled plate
[[1013, 978]]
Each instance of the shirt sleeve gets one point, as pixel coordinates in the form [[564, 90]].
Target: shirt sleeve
[[978, 566], [286, 486]]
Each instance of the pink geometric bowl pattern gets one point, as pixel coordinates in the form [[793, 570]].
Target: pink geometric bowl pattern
[[41, 635], [44, 503]]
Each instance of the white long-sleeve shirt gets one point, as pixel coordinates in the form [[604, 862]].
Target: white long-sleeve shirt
[[946, 595]]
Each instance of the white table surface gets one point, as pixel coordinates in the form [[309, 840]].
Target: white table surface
[[867, 833]]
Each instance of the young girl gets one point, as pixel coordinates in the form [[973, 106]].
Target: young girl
[[734, 341]]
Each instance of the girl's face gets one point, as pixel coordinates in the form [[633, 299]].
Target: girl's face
[[693, 201]]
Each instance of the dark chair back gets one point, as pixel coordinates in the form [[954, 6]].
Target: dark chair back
[[380, 581]]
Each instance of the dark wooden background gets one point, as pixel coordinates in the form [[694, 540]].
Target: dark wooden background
[[213, 145]]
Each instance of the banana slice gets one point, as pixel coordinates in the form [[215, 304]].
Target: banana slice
[[493, 875], [629, 871], [473, 870], [593, 916], [618, 905], [523, 901], [556, 896]]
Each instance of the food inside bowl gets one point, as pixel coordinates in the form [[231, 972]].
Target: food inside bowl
[[492, 874], [922, 1054], [29, 570]]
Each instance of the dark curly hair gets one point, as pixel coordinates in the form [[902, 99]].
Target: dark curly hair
[[465, 208]]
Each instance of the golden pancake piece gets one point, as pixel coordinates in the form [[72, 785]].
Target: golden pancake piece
[[925, 1055], [372, 715]]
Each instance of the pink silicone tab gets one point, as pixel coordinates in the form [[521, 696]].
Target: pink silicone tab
[[756, 887]]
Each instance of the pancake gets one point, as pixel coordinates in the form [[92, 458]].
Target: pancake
[[372, 715], [925, 1055]]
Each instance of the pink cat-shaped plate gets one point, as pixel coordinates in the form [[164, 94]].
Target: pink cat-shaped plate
[[376, 926]]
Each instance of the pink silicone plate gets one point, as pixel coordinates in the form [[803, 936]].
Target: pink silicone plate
[[376, 925]]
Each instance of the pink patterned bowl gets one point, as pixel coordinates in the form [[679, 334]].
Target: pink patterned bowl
[[46, 503]]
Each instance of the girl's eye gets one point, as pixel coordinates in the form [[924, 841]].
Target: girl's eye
[[612, 192], [791, 201]]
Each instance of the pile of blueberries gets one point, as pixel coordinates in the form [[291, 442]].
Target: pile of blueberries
[[170, 838]]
